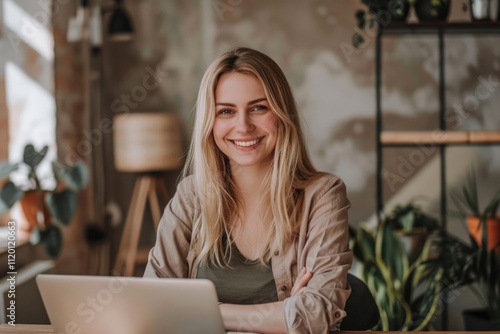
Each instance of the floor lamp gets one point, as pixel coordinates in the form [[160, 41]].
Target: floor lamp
[[144, 143]]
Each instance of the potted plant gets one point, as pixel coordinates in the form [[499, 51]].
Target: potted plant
[[483, 265], [412, 227], [467, 202], [432, 10], [479, 268], [45, 209], [379, 12], [406, 286]]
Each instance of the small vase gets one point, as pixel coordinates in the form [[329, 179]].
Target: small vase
[[480, 10], [428, 11], [476, 230], [477, 320], [413, 241], [399, 9], [32, 210]]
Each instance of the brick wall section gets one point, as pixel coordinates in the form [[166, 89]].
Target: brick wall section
[[71, 115], [4, 122]]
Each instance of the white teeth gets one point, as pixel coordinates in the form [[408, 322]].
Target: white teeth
[[246, 143]]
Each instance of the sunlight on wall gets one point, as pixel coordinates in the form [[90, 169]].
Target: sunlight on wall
[[31, 120], [29, 86], [34, 32]]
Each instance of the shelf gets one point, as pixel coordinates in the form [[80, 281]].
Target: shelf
[[437, 137], [476, 27]]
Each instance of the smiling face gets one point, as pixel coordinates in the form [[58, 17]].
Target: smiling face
[[245, 127]]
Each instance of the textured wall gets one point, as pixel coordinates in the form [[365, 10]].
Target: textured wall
[[334, 87]]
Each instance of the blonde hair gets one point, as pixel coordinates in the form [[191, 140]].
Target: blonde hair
[[290, 171]]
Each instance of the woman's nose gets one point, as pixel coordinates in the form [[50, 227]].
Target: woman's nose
[[244, 122]]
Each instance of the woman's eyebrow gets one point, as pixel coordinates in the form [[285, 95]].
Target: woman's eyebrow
[[260, 99]]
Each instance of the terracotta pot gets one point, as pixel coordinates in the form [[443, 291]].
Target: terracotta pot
[[30, 207], [476, 230], [413, 241]]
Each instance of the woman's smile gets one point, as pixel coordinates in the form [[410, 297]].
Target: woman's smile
[[245, 127]]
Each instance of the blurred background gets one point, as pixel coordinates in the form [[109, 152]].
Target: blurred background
[[65, 76]]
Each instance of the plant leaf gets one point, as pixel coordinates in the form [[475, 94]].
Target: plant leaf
[[76, 176], [9, 195], [62, 205], [52, 240], [33, 158]]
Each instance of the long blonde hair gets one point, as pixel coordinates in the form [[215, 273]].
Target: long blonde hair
[[291, 168]]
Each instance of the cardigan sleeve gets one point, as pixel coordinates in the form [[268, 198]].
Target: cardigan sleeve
[[168, 257], [326, 253]]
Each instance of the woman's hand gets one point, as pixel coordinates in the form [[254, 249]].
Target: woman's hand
[[301, 282]]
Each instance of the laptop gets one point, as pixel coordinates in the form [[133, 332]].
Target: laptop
[[126, 305]]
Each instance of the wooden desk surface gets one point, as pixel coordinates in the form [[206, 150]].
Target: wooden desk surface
[[47, 329]]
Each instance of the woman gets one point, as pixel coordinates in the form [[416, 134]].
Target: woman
[[252, 214]]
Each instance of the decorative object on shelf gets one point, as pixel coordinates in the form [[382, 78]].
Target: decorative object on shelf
[[480, 10], [432, 10], [439, 140], [44, 209], [379, 12], [411, 227], [404, 280], [144, 143], [467, 203]]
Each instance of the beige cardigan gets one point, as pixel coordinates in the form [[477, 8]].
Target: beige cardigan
[[322, 246]]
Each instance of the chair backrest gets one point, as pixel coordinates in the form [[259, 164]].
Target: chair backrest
[[362, 311]]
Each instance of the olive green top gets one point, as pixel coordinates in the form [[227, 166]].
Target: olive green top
[[243, 281]]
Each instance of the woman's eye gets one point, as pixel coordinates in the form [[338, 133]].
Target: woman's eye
[[259, 108], [225, 112]]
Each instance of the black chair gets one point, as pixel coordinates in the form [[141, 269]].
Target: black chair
[[362, 311]]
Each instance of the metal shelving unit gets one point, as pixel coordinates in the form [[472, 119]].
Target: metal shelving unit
[[412, 138]]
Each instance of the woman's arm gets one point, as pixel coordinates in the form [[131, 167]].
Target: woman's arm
[[261, 318], [324, 249]]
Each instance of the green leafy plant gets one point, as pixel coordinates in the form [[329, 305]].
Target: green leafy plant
[[373, 15], [466, 200], [468, 264], [60, 202], [482, 267], [406, 286]]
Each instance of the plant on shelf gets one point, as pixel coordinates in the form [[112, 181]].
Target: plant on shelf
[[432, 10], [378, 12], [483, 267], [467, 202], [406, 284], [44, 209]]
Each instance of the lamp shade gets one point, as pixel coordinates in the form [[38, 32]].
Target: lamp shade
[[147, 142], [120, 25]]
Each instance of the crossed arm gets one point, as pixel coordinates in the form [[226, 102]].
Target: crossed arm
[[261, 318]]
